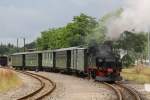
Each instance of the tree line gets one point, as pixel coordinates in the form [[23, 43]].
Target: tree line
[[73, 34], [7, 49]]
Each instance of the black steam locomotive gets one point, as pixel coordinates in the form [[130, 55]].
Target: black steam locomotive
[[107, 63], [99, 62]]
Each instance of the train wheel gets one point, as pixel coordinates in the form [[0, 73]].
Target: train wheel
[[93, 75]]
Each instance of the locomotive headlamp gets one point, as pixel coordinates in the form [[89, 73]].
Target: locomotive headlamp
[[110, 70]]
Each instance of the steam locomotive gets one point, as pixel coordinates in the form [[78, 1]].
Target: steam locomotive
[[98, 62], [107, 63]]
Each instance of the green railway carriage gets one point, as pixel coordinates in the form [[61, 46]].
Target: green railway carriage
[[47, 60], [18, 60], [72, 59], [62, 58], [33, 60], [79, 59]]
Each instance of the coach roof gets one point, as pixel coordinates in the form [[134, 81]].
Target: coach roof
[[65, 49], [55, 50], [27, 52]]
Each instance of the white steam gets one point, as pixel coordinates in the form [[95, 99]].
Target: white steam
[[135, 16]]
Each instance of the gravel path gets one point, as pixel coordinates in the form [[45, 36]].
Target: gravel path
[[73, 88], [27, 87]]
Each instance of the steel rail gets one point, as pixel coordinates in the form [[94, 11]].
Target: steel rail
[[132, 91], [50, 91], [42, 85], [40, 89], [118, 93]]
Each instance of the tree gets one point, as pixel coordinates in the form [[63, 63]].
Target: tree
[[73, 34], [7, 49], [134, 43], [52, 39], [79, 29], [31, 45]]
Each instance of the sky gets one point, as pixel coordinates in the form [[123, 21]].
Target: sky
[[27, 18]]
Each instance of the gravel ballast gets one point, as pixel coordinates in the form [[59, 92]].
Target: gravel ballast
[[140, 88], [74, 88], [69, 88], [29, 84]]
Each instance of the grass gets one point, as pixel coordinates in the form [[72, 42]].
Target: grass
[[139, 74], [8, 80]]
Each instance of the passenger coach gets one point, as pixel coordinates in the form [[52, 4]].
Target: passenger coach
[[47, 60], [33, 60], [27, 60], [72, 59], [18, 60]]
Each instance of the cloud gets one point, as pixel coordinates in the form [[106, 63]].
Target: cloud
[[20, 20], [27, 18]]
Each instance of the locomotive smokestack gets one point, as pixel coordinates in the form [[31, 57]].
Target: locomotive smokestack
[[93, 47]]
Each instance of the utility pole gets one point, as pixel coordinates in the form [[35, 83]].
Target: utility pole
[[24, 41], [148, 48], [17, 45]]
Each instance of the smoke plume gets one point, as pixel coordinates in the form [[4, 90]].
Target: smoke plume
[[135, 16]]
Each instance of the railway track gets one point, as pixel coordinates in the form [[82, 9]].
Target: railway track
[[46, 88], [124, 92]]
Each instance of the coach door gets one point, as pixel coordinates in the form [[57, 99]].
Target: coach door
[[40, 61], [68, 59]]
